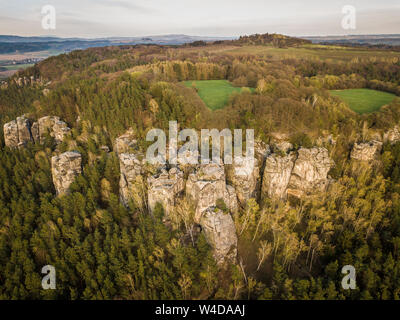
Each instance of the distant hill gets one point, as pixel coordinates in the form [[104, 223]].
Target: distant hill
[[14, 44], [276, 40], [378, 39]]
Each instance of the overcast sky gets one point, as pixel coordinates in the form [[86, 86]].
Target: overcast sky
[[100, 18]]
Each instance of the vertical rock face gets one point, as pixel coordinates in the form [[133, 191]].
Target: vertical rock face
[[277, 172], [220, 232], [165, 188], [11, 134], [392, 136], [131, 181], [17, 132], [24, 132], [45, 126], [310, 172], [261, 152], [304, 173], [207, 185], [65, 168], [366, 151], [35, 132], [244, 175], [60, 130], [50, 125]]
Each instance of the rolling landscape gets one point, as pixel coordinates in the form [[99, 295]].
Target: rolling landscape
[[319, 194]]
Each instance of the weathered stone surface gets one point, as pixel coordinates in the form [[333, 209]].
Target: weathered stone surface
[[50, 125], [366, 151], [277, 172], [131, 185], [207, 185], [244, 175], [261, 152], [65, 168], [220, 232], [60, 131], [35, 132], [310, 172], [17, 132], [165, 188], [188, 160], [283, 146], [125, 143], [45, 125], [11, 134], [392, 136], [24, 132]]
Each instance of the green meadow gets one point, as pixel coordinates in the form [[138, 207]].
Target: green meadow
[[364, 100], [214, 93]]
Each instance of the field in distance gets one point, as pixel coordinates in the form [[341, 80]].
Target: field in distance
[[214, 93], [364, 100]]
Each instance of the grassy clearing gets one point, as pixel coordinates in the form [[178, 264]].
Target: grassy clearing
[[214, 93], [364, 100]]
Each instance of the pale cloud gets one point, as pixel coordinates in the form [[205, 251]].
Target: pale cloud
[[98, 18]]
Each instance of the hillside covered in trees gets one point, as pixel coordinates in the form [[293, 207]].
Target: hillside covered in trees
[[290, 247]]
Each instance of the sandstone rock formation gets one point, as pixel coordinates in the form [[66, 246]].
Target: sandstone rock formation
[[296, 175], [131, 181], [17, 132], [207, 185], [366, 151], [310, 172], [60, 130], [261, 152], [277, 172], [20, 131], [220, 232], [50, 125], [392, 136], [165, 189], [283, 146], [244, 175], [64, 169]]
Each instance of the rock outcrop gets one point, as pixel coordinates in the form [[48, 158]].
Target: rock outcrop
[[50, 125], [165, 188], [220, 232], [131, 185], [277, 172], [244, 175], [297, 174], [392, 136], [20, 131], [310, 172], [261, 152], [207, 185], [366, 151], [17, 133], [65, 168]]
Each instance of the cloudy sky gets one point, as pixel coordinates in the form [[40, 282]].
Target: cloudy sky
[[101, 18]]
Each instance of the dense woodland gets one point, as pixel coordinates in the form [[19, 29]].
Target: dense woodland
[[102, 250]]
